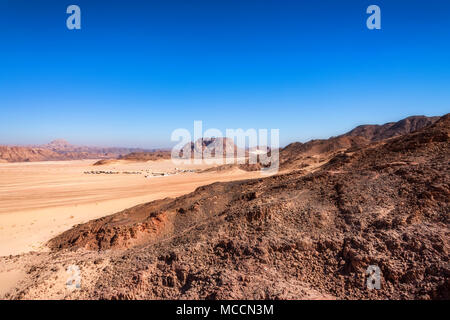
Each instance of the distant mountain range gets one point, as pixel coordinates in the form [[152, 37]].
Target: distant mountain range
[[290, 156], [61, 150], [62, 146]]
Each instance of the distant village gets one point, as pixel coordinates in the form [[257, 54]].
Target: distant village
[[146, 173]]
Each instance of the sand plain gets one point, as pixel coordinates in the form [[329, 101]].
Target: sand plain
[[39, 200]]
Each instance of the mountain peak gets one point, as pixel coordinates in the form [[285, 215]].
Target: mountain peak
[[59, 141], [58, 144]]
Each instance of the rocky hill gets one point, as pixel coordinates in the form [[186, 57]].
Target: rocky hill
[[299, 155], [208, 147], [391, 129]]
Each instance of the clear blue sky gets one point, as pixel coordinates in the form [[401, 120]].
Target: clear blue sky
[[137, 70]]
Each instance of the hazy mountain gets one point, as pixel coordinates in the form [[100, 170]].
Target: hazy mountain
[[61, 150]]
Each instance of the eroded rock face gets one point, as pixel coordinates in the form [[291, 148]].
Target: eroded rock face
[[288, 236]]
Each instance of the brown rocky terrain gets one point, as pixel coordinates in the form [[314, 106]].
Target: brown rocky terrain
[[316, 152], [295, 235], [391, 129], [299, 155]]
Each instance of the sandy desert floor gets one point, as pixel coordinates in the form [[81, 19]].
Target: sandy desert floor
[[39, 200]]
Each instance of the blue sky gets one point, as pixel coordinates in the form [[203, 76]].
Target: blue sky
[[137, 70]]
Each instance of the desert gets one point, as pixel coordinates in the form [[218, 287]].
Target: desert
[[220, 159], [41, 199], [145, 229]]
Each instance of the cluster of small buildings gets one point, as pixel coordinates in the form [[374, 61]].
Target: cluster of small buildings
[[149, 174], [111, 172], [164, 174]]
